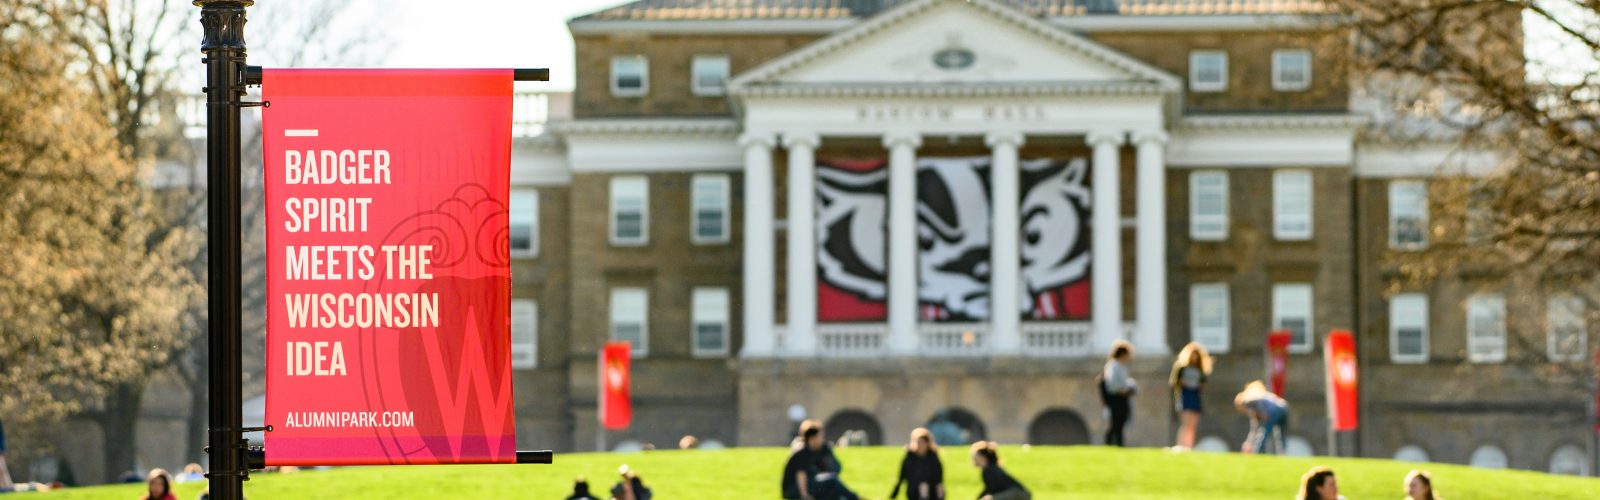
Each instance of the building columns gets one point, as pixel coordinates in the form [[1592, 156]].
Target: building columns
[[1151, 255], [759, 295], [801, 296], [902, 307], [1105, 252], [1005, 260]]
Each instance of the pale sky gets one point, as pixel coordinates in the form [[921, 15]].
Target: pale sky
[[533, 34]]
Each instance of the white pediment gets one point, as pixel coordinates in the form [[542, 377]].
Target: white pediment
[[954, 41]]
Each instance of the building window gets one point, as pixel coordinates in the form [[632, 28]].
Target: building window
[[1291, 69], [1291, 204], [1208, 205], [710, 206], [1489, 457], [1209, 316], [708, 75], [629, 309], [630, 196], [1486, 328], [1564, 322], [1408, 328], [1291, 311], [1208, 71], [524, 333], [710, 322], [524, 223], [630, 76], [1408, 215]]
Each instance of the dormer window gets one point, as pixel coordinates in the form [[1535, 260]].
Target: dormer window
[[1208, 71], [1291, 69], [630, 76], [709, 75]]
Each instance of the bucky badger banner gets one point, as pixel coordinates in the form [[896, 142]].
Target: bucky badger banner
[[953, 232]]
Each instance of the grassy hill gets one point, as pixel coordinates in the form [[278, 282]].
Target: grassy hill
[[1050, 472]]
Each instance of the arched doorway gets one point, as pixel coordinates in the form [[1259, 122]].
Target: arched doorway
[[1058, 426], [860, 425], [956, 426]]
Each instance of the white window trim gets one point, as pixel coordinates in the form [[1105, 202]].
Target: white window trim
[[534, 217], [1277, 82], [644, 77], [1195, 85], [1195, 217], [1195, 328], [1550, 329], [644, 211], [1399, 306], [725, 187], [531, 349], [643, 348], [1310, 305], [696, 319], [1278, 217], [694, 77], [1396, 187], [1495, 300]]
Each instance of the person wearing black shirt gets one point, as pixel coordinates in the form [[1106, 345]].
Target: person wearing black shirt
[[580, 490], [812, 472], [997, 485], [920, 471]]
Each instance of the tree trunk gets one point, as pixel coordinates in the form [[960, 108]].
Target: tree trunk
[[118, 421]]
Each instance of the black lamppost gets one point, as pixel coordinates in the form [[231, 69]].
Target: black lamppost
[[223, 45]]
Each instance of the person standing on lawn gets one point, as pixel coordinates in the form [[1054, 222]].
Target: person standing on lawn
[[921, 471], [1189, 375], [1268, 413], [812, 472], [997, 485], [1119, 390]]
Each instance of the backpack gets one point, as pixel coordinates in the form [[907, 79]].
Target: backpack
[[1105, 395]]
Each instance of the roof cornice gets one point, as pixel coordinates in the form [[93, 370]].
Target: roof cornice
[[1266, 122], [646, 126]]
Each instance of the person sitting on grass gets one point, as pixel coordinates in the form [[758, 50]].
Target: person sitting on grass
[[921, 471], [997, 485], [630, 486], [580, 490], [812, 472], [159, 484], [1319, 484], [1268, 413], [1419, 486]]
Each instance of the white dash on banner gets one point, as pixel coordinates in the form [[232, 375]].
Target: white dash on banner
[[299, 132]]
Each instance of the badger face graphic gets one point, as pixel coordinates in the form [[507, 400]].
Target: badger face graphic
[[953, 233]]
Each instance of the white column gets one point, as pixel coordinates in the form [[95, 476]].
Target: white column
[[1151, 254], [801, 336], [1005, 259], [1106, 244], [902, 241], [758, 251]]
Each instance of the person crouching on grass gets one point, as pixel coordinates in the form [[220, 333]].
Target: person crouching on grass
[[921, 471], [812, 472], [997, 485], [1268, 413]]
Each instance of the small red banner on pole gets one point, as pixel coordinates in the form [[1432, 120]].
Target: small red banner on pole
[[1278, 359], [388, 278], [1343, 387], [616, 409]]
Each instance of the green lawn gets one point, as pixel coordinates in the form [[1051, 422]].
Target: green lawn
[[1050, 472]]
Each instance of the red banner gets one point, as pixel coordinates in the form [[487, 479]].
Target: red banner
[[616, 409], [1278, 359], [1343, 387], [388, 286]]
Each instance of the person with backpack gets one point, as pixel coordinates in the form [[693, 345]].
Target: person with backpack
[[1117, 390]]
